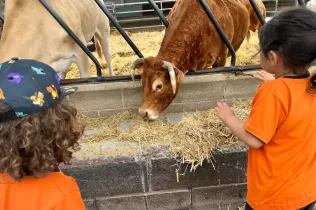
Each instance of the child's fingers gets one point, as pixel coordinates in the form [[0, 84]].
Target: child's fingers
[[219, 104], [258, 76]]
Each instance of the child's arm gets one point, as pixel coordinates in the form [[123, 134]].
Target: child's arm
[[224, 113]]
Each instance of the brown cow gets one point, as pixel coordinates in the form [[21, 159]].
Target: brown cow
[[31, 32], [190, 42], [255, 24]]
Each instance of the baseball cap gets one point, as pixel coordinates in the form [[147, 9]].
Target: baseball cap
[[29, 86]]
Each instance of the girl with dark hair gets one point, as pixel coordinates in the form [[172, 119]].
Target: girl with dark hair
[[281, 128]]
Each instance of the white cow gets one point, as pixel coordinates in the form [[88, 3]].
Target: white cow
[[30, 32], [311, 5]]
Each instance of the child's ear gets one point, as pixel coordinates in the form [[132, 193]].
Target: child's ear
[[273, 57]]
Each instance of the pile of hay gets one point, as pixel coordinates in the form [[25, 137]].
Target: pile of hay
[[192, 140], [148, 43]]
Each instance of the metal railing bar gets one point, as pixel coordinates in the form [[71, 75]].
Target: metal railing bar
[[141, 3], [141, 27], [301, 2], [220, 32], [119, 28], [142, 11], [73, 36], [127, 78], [138, 20], [159, 13], [257, 11]]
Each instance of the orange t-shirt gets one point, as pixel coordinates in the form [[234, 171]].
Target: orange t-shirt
[[53, 192], [282, 173]]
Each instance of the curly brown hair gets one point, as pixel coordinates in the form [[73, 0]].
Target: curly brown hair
[[36, 144]]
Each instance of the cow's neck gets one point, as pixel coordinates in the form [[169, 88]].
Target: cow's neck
[[179, 48], [177, 57]]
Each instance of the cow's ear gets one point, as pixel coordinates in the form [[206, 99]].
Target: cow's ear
[[179, 75]]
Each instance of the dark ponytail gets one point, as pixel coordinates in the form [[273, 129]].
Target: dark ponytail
[[292, 34]]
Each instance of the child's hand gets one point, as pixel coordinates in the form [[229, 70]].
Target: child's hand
[[264, 76], [223, 111]]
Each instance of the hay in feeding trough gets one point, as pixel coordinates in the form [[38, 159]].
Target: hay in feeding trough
[[148, 42], [192, 140]]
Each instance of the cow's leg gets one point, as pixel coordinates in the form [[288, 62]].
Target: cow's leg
[[62, 75], [62, 64], [104, 38], [221, 59], [82, 60], [220, 62]]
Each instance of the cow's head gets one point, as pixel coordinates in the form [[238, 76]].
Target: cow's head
[[160, 83]]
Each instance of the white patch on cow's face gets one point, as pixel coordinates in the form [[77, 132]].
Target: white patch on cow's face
[[157, 85]]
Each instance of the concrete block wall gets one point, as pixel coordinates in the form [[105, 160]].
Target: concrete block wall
[[150, 183]]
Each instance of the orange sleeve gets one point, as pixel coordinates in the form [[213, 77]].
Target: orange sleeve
[[267, 114], [71, 201]]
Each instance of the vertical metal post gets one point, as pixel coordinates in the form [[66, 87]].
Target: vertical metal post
[[220, 31], [119, 28], [159, 13], [72, 34], [257, 11], [301, 2], [161, 7]]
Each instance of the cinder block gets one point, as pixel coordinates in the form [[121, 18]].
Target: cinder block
[[230, 167], [89, 204], [94, 114], [108, 179], [132, 202], [172, 200], [132, 97], [194, 106], [218, 197], [163, 175], [197, 92], [97, 100], [245, 87]]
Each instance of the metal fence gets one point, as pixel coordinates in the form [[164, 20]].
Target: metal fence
[[140, 15], [136, 13], [160, 13]]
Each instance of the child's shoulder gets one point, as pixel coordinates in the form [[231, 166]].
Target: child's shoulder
[[64, 183], [275, 86]]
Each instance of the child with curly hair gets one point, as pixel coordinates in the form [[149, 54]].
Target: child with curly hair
[[38, 131], [281, 128]]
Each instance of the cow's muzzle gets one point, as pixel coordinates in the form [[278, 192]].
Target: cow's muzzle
[[148, 114]]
